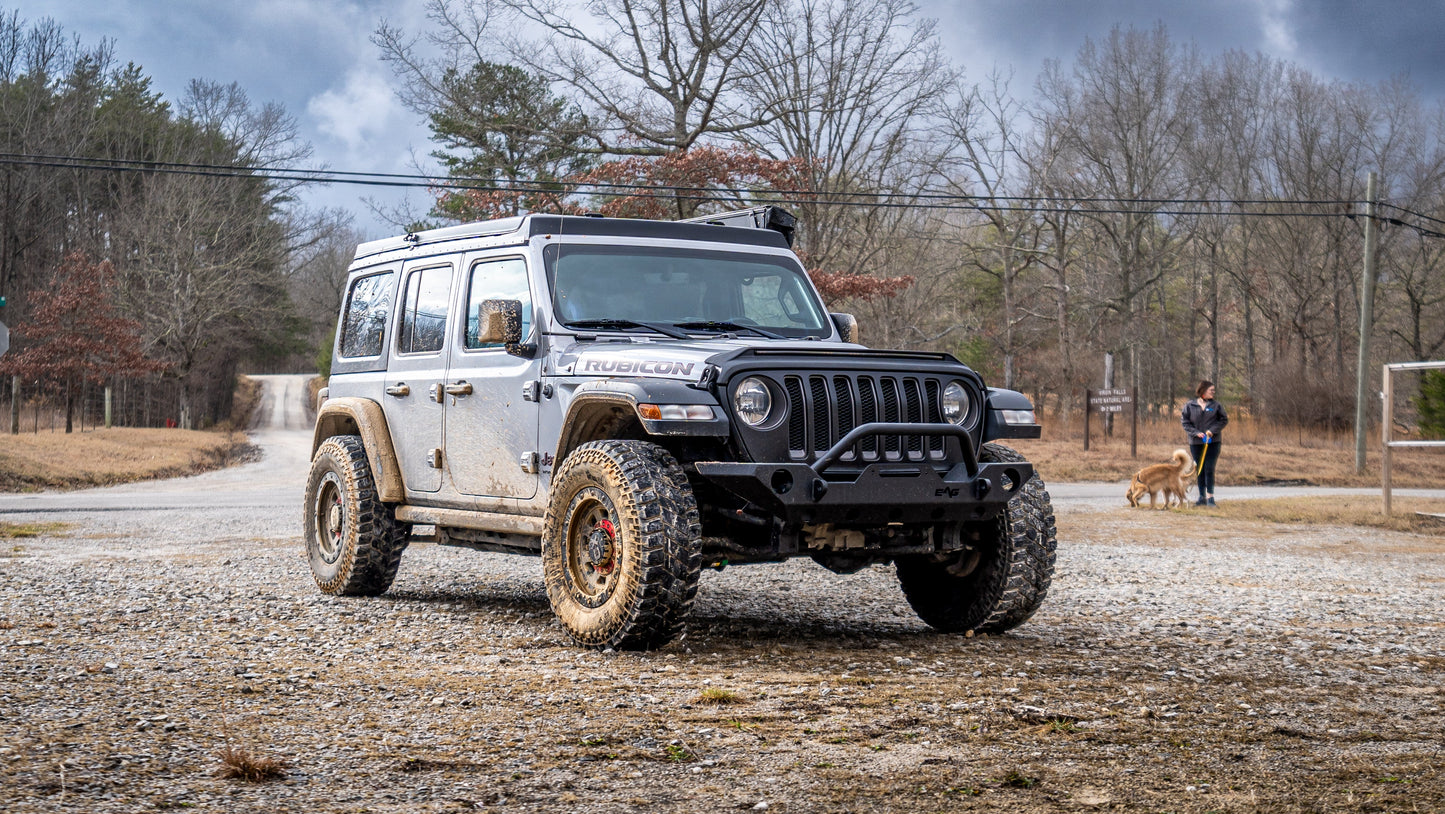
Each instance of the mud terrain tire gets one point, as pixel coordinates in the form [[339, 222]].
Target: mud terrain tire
[[1010, 578], [621, 546], [353, 540]]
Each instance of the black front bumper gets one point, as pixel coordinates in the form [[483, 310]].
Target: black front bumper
[[880, 493]]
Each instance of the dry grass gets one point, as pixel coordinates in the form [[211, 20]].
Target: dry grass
[[313, 389], [237, 763], [101, 457], [118, 455], [713, 696], [1350, 510], [1254, 452], [23, 531]]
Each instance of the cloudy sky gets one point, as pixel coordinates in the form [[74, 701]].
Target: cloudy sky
[[315, 56]]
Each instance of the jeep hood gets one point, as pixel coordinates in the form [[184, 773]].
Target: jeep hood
[[665, 359], [686, 360]]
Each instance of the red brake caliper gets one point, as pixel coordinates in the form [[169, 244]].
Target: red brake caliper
[[608, 561]]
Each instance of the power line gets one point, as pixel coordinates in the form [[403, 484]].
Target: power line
[[523, 185], [1412, 213], [932, 201]]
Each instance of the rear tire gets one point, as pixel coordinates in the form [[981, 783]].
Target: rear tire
[[1000, 585], [353, 540], [622, 547]]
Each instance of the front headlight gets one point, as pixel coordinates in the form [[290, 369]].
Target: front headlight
[[955, 403], [753, 401]]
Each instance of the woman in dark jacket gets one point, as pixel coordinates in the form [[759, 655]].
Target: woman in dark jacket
[[1203, 418]]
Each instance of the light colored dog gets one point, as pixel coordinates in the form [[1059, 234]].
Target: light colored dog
[[1167, 478]]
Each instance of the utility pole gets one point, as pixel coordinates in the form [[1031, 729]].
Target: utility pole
[[1367, 313]]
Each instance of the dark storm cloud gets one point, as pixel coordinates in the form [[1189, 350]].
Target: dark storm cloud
[[1353, 41], [1374, 41]]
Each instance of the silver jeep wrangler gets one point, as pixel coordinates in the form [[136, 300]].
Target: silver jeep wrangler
[[635, 400]]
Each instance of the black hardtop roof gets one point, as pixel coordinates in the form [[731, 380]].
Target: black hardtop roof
[[527, 226], [674, 230]]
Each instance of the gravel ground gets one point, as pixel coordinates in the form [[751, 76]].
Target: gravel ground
[[1179, 664], [1173, 667]]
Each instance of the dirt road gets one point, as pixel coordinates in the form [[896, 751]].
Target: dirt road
[[1179, 664]]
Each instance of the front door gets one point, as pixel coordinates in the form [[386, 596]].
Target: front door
[[414, 396], [491, 428]]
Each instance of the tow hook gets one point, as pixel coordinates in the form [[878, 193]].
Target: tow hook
[[981, 487]]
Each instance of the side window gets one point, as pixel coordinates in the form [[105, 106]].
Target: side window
[[368, 304], [497, 280], [424, 310]]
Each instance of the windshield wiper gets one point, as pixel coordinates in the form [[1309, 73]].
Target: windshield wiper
[[727, 326], [628, 323]]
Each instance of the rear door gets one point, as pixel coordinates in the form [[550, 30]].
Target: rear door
[[414, 399]]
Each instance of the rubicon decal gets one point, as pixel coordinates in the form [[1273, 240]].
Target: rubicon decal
[[645, 366]]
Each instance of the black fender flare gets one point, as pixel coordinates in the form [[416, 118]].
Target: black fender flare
[[599, 408], [994, 425]]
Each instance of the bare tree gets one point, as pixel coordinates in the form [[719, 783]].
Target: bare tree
[[200, 256], [50, 88], [1227, 161], [989, 162], [655, 76], [1126, 116], [849, 89], [659, 74]]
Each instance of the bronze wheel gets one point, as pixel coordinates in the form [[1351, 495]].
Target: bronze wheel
[[353, 540]]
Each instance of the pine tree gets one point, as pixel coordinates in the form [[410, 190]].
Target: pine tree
[[1431, 403]]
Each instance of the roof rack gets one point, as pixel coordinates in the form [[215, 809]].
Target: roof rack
[[758, 217]]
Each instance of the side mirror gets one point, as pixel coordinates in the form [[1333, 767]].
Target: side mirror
[[499, 322], [847, 326]]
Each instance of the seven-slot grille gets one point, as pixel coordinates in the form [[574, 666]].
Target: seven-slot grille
[[823, 408]]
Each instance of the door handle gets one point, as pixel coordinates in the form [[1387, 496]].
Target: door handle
[[459, 389], [400, 390]]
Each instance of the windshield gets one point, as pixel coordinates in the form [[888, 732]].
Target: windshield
[[614, 286]]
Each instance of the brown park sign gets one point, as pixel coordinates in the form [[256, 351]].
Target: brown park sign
[[1112, 400]]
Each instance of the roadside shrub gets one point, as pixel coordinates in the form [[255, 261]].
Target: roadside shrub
[[1316, 398]]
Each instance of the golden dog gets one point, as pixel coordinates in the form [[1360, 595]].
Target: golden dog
[[1167, 478]]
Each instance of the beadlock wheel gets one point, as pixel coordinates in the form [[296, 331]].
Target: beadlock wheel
[[353, 540], [621, 546]]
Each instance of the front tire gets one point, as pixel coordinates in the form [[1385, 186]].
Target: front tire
[[1000, 585], [621, 546], [353, 540]]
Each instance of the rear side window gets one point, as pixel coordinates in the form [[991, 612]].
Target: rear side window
[[368, 304], [424, 310]]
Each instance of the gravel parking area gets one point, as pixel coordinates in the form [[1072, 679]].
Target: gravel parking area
[[1179, 664]]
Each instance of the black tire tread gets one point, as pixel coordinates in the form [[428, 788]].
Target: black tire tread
[[653, 495], [375, 539], [1009, 584]]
